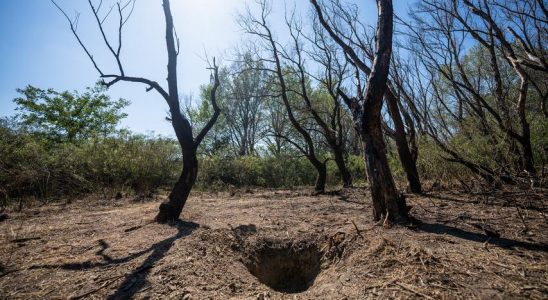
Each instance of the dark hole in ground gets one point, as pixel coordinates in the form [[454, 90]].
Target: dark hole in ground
[[285, 267]]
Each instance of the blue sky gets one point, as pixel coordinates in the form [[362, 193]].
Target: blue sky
[[38, 48]]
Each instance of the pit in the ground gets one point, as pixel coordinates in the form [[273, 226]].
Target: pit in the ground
[[284, 266]]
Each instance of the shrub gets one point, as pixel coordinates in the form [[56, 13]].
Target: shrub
[[34, 166]]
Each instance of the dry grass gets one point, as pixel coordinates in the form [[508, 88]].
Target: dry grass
[[109, 249]]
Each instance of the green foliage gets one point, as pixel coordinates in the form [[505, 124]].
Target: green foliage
[[539, 138], [69, 115], [433, 166], [32, 166], [254, 171], [269, 172]]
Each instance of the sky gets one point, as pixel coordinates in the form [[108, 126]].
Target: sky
[[37, 48]]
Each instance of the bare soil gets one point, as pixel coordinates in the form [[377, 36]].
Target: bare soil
[[277, 244]]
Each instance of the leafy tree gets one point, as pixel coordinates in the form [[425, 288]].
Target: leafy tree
[[244, 93], [68, 115], [217, 142]]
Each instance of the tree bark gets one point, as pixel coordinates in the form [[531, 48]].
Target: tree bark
[[406, 158], [386, 199], [341, 165], [321, 178], [172, 208]]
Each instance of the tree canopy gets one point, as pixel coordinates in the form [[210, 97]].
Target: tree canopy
[[70, 115]]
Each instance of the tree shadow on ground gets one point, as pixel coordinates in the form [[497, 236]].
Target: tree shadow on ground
[[480, 238], [534, 201], [135, 280]]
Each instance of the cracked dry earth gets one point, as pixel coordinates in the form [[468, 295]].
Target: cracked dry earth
[[278, 244]]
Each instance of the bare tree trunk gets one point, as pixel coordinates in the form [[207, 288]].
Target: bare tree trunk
[[341, 165], [528, 159], [386, 200], [172, 208], [255, 26], [321, 178], [406, 158]]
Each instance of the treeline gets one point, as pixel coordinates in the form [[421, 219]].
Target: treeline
[[44, 167], [34, 166]]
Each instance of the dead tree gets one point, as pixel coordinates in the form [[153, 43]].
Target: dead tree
[[440, 31], [387, 202], [339, 129], [258, 26], [483, 11], [357, 46], [331, 129], [171, 209]]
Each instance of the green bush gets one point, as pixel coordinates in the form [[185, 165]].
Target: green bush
[[268, 172], [249, 171], [33, 166], [432, 165]]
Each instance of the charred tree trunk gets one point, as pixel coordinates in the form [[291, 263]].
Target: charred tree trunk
[[321, 178], [406, 158], [387, 201], [171, 209], [341, 165]]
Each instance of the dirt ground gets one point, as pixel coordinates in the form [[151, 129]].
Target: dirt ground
[[276, 244]]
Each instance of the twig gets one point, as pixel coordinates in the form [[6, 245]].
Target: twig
[[23, 240], [404, 286], [386, 223], [138, 226], [381, 285], [107, 283], [357, 229], [525, 227]]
